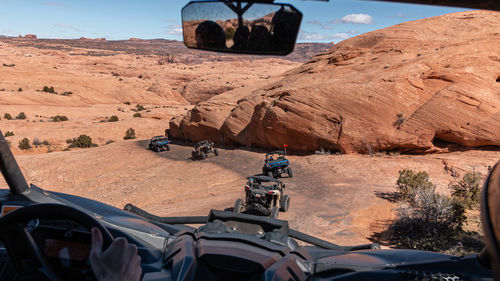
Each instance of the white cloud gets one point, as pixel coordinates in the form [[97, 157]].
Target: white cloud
[[173, 29], [357, 18], [314, 36]]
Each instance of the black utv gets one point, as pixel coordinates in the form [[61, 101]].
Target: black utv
[[159, 143], [202, 149], [264, 197], [276, 164]]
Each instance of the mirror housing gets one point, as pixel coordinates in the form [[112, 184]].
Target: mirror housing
[[241, 27], [490, 217]]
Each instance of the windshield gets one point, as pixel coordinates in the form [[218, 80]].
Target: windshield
[[382, 109]]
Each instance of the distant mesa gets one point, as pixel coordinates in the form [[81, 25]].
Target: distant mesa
[[135, 39], [29, 36]]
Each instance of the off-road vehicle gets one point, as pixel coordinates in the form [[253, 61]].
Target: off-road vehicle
[[276, 164], [202, 149], [264, 197], [159, 143]]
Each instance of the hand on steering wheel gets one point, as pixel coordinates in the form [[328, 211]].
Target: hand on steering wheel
[[119, 262]]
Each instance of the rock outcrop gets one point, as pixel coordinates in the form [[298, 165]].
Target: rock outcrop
[[412, 86]]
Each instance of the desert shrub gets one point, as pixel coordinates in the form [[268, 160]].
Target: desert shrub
[[59, 118], [129, 134], [427, 220], [137, 114], [410, 181], [113, 118], [67, 93], [109, 141], [467, 191], [127, 103], [400, 119], [48, 89], [66, 149], [7, 116], [20, 89], [70, 141], [83, 141], [429, 223], [21, 116], [36, 142], [46, 142], [9, 134], [24, 144], [139, 108]]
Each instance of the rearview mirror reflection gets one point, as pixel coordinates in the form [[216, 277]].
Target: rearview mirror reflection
[[240, 27]]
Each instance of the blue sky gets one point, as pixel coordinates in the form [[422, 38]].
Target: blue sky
[[112, 19]]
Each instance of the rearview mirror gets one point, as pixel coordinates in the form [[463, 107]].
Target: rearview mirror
[[241, 27]]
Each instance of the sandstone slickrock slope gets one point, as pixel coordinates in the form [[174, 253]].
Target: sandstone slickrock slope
[[412, 86]]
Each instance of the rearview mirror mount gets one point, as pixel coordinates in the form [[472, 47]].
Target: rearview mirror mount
[[241, 27]]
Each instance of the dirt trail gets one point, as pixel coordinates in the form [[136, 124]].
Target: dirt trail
[[341, 198]]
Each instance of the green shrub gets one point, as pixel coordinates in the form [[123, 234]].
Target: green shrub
[[139, 108], [24, 144], [48, 89], [430, 223], [427, 220], [137, 114], [59, 118], [400, 119], [113, 118], [410, 181], [36, 142], [129, 134], [7, 116], [467, 191], [83, 141], [9, 134], [127, 103], [21, 116], [20, 89]]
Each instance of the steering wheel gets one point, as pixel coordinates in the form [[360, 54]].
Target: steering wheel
[[24, 252]]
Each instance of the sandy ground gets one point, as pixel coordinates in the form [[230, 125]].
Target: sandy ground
[[341, 198]]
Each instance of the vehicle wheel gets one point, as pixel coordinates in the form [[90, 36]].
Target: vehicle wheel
[[203, 155], [168, 147], [238, 206], [290, 172], [193, 155], [274, 212], [270, 174], [216, 152], [157, 149], [285, 203]]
